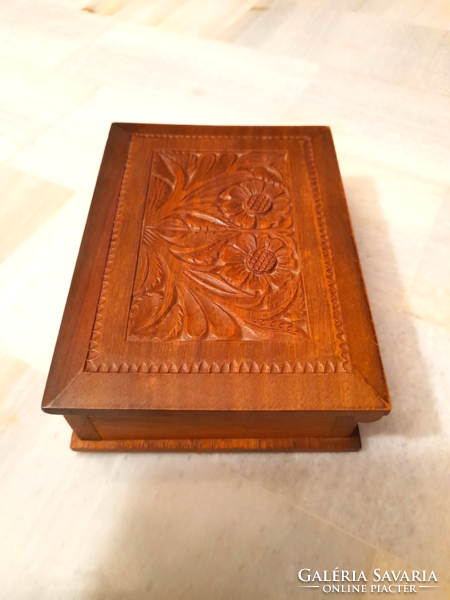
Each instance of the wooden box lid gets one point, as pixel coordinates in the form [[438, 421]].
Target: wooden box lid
[[217, 270]]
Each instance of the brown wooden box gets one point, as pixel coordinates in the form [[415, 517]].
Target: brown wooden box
[[217, 301]]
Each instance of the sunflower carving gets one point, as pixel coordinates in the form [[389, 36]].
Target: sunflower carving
[[255, 203], [218, 257], [259, 264]]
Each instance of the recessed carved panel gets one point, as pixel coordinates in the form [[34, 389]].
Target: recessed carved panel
[[219, 261], [218, 256]]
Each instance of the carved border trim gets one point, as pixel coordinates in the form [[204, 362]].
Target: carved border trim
[[221, 137], [327, 256], [94, 344], [339, 366], [219, 368]]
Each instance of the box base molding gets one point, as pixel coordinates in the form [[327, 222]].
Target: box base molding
[[317, 444]]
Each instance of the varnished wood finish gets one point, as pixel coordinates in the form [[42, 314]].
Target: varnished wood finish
[[217, 296], [286, 444]]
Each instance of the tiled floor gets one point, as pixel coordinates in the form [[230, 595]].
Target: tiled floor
[[226, 526]]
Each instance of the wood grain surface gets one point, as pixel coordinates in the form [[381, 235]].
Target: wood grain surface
[[285, 444], [217, 284]]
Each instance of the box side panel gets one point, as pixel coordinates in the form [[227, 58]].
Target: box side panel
[[223, 424]]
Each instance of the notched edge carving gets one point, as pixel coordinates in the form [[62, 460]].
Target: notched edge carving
[[327, 256], [94, 344], [226, 367]]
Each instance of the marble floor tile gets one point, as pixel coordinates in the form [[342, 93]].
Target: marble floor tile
[[343, 36], [391, 51], [421, 12], [436, 77], [429, 295], [434, 16], [395, 126], [105, 8], [149, 13], [12, 371], [257, 23], [43, 35], [31, 100], [394, 494], [206, 19], [27, 202], [391, 222], [150, 83], [69, 152], [151, 60], [35, 281], [288, 27]]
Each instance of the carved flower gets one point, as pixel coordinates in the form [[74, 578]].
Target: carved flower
[[255, 203], [258, 262]]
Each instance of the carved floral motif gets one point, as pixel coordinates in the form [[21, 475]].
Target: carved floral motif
[[255, 203], [218, 257], [259, 263]]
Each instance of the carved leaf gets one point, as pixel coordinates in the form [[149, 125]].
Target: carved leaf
[[145, 310], [142, 272], [292, 324], [221, 325], [211, 165], [279, 300], [204, 255], [195, 319], [148, 296], [169, 327], [151, 307], [205, 165], [174, 226], [178, 174], [162, 171], [192, 237], [154, 279], [159, 192], [213, 282], [177, 164], [263, 166], [210, 189]]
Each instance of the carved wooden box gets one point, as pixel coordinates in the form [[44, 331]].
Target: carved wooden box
[[217, 301]]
